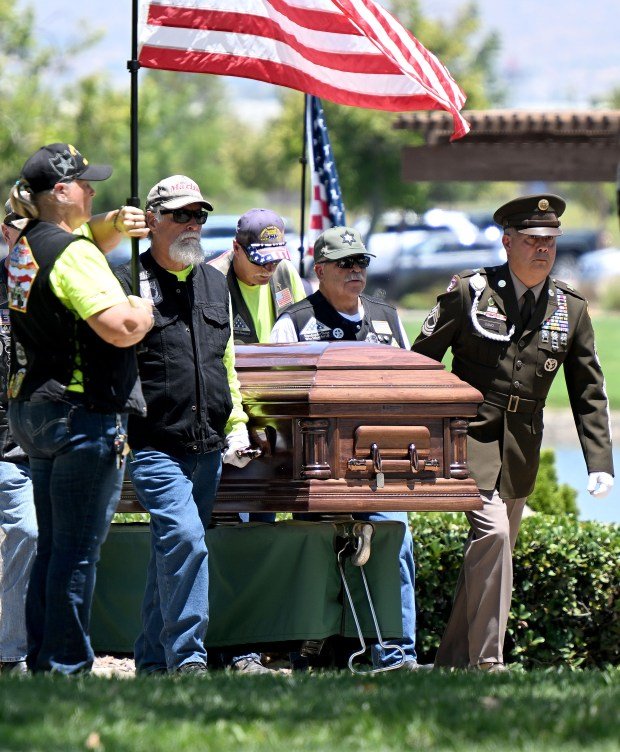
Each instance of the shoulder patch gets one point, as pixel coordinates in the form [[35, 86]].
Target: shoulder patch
[[428, 327]]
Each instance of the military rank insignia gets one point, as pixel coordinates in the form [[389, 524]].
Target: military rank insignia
[[428, 327]]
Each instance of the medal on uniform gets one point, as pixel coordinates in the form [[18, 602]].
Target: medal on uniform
[[555, 345], [556, 326]]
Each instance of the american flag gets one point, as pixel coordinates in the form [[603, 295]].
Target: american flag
[[351, 52], [326, 207]]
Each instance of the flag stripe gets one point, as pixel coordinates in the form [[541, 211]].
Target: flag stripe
[[350, 51], [395, 41], [327, 19], [286, 75], [319, 48]]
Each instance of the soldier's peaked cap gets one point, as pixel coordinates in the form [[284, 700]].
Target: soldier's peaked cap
[[532, 215]]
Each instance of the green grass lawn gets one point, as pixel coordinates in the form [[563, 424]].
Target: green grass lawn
[[537, 712], [607, 331]]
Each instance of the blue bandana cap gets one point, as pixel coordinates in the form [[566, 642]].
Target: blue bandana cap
[[261, 233]]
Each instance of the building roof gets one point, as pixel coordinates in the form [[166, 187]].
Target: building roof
[[516, 125]]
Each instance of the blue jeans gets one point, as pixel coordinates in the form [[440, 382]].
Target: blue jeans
[[76, 488], [18, 546], [179, 493]]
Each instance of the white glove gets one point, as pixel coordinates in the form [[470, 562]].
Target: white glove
[[600, 484], [237, 439]]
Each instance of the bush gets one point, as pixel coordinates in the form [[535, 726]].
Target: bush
[[566, 599], [549, 496]]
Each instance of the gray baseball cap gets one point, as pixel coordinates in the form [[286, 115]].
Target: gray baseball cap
[[337, 243], [175, 192]]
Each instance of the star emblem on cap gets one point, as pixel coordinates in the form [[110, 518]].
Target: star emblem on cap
[[348, 237], [62, 164]]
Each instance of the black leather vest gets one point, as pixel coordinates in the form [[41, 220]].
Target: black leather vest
[[315, 319], [184, 379], [47, 337], [244, 329]]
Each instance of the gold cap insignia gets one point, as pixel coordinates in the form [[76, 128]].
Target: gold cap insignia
[[543, 204]]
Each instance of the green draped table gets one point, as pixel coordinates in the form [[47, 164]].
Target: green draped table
[[268, 583]]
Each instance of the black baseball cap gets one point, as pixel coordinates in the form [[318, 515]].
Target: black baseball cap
[[60, 163]]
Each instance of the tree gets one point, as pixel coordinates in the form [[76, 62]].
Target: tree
[[30, 113]]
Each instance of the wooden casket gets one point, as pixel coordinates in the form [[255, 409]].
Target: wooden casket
[[348, 427]]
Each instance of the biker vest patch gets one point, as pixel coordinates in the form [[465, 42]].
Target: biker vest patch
[[21, 274]]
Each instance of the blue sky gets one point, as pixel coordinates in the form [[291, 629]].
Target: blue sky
[[558, 53]]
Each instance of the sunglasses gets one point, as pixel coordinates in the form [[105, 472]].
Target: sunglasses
[[350, 261], [183, 216]]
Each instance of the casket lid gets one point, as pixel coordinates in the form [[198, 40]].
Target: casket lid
[[332, 356], [347, 373]]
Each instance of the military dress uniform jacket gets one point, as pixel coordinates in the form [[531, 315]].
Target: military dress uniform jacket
[[515, 375]]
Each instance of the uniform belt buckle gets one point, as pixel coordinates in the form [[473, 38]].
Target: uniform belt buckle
[[513, 403]]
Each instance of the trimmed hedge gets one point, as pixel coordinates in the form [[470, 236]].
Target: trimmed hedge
[[566, 599], [550, 496]]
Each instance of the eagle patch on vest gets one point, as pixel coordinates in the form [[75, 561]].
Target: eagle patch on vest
[[21, 274]]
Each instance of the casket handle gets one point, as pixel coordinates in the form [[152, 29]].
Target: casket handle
[[376, 464], [413, 458]]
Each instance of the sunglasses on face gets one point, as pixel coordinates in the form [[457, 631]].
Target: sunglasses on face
[[183, 216], [350, 261]]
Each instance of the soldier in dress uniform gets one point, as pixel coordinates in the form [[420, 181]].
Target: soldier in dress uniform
[[510, 329]]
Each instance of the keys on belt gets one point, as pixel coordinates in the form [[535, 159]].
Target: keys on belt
[[121, 447]]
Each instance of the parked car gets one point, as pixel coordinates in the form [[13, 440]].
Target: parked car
[[440, 256], [598, 267], [219, 230], [386, 246], [571, 246]]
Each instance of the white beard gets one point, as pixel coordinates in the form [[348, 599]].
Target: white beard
[[186, 249]]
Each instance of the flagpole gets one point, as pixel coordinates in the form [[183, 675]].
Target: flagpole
[[134, 200], [304, 163]]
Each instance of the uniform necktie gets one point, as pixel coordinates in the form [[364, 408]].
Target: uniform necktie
[[527, 309]]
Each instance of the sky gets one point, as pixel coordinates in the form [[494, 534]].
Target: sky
[[556, 54]]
